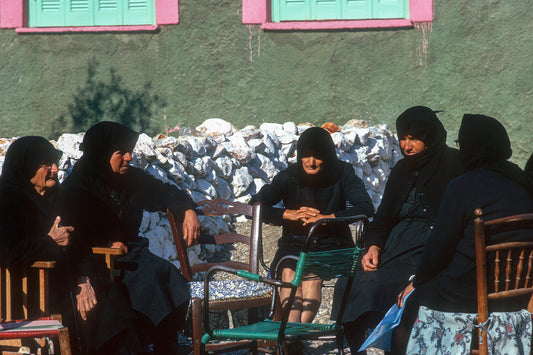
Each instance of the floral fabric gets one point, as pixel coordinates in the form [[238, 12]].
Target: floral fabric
[[447, 333], [229, 289]]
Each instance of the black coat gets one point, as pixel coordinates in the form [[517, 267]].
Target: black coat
[[346, 196], [150, 286], [449, 256], [430, 182]]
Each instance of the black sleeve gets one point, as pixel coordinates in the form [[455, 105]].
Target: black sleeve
[[270, 195], [386, 216], [356, 197], [448, 232], [18, 247], [158, 196]]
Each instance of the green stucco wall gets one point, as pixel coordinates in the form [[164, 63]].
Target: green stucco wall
[[478, 60]]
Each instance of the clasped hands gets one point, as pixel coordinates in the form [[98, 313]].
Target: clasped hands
[[306, 215]]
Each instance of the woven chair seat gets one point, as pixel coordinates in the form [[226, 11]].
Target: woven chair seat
[[269, 330], [27, 328], [223, 290]]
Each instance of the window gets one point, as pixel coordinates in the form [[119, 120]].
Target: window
[[29, 16], [335, 14], [304, 10], [49, 13]]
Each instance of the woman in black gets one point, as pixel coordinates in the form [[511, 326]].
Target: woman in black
[[403, 221], [103, 198], [446, 275], [318, 186], [30, 225]]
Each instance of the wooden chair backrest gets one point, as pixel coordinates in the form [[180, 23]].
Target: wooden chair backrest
[[39, 269], [512, 262], [220, 207]]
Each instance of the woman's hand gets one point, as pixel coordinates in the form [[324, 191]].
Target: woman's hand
[[405, 292], [61, 235], [370, 260], [86, 298], [191, 227], [119, 245], [309, 215]]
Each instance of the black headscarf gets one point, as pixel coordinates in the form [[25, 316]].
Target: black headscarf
[[484, 143], [319, 141], [99, 144], [23, 158], [529, 165], [422, 123]]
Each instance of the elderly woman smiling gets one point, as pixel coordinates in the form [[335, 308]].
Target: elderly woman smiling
[[30, 227]]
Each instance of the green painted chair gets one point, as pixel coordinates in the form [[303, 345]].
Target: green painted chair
[[311, 265]]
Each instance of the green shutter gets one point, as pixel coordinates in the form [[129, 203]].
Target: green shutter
[[79, 13], [357, 9], [108, 12], [326, 9], [293, 10], [389, 9], [46, 13], [139, 12], [309, 10], [51, 13]]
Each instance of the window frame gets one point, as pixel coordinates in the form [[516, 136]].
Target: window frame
[[14, 14], [257, 12]]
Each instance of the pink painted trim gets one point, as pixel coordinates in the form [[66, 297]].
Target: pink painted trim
[[421, 10], [333, 25], [167, 12], [13, 15], [255, 12], [145, 28]]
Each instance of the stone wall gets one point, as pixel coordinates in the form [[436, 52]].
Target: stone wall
[[216, 160]]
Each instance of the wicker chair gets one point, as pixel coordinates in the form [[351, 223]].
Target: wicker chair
[[224, 294]]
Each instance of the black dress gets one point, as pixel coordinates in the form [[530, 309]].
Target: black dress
[[102, 214], [401, 228], [345, 196]]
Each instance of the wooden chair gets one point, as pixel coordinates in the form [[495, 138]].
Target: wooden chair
[[512, 262], [109, 255], [311, 265], [258, 296], [37, 322]]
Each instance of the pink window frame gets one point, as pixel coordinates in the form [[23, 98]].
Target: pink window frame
[[13, 14], [257, 12]]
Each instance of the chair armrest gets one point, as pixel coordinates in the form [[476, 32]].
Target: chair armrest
[[109, 255], [44, 264]]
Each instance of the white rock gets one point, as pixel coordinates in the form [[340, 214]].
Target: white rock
[[145, 147], [198, 149], [224, 189], [199, 167], [272, 127], [241, 181], [206, 188], [224, 167], [241, 151], [216, 125], [145, 222], [157, 172], [340, 141], [285, 137], [290, 127], [69, 144]]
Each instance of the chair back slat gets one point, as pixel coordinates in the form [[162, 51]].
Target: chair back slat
[[519, 268], [509, 259], [497, 271], [529, 267], [491, 255]]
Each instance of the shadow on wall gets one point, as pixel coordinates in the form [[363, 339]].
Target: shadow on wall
[[108, 100]]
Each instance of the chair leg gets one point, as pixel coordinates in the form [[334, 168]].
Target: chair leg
[[196, 315], [64, 341], [340, 343]]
